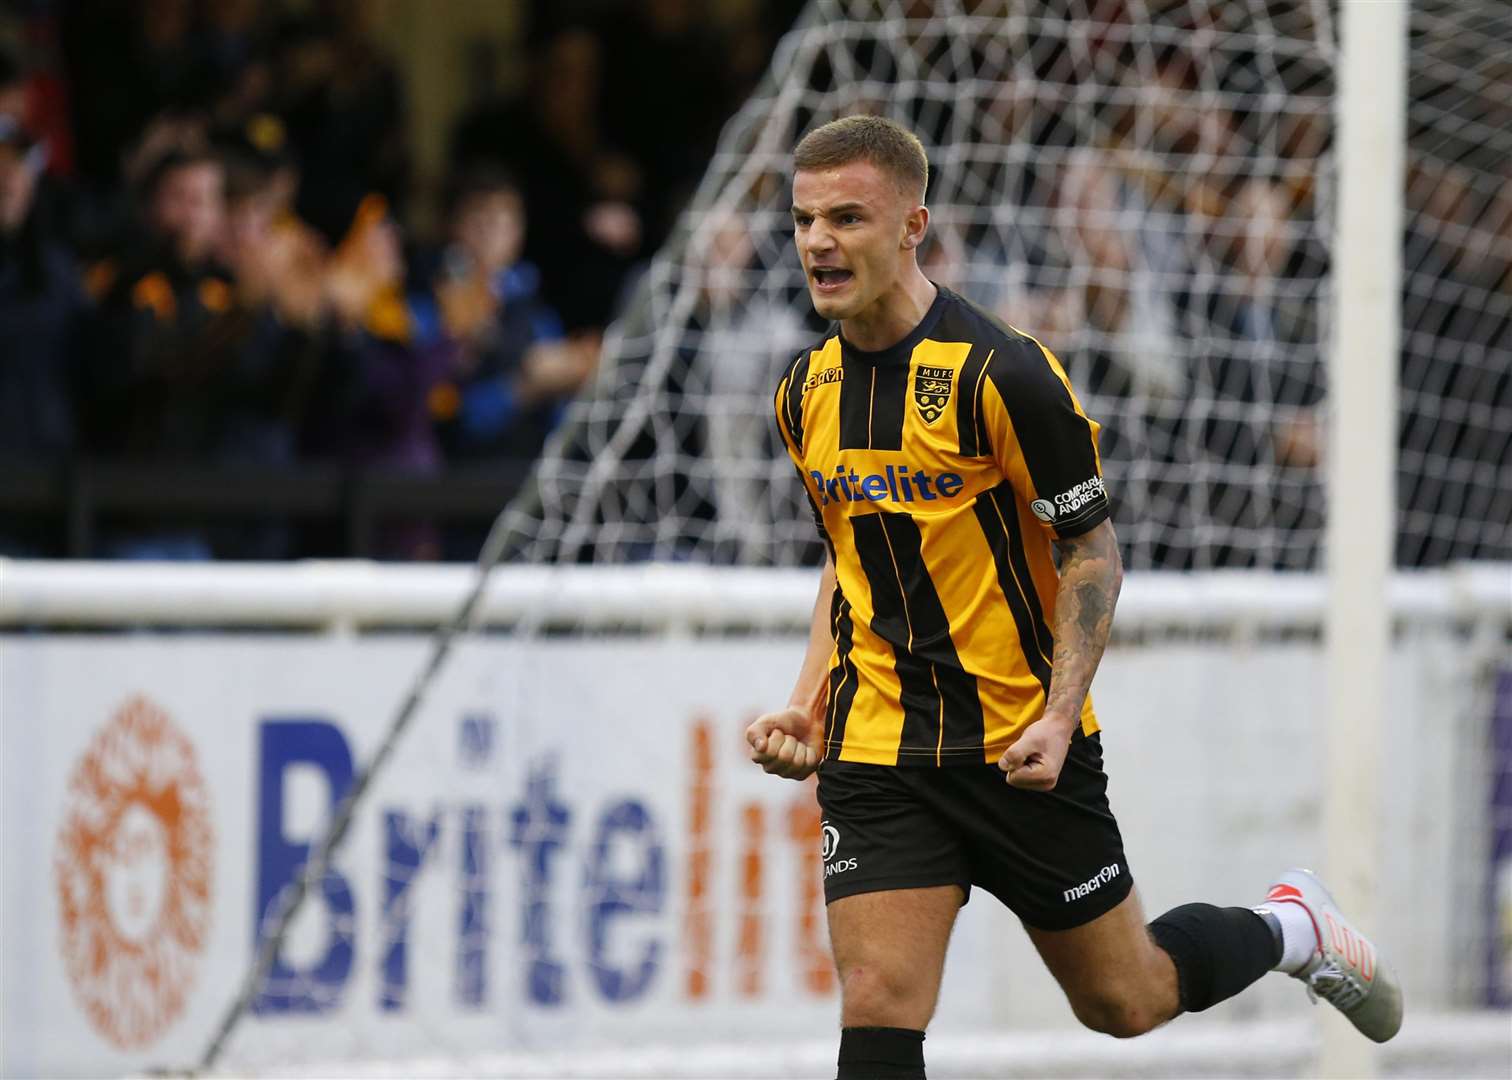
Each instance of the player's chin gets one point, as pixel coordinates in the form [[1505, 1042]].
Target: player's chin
[[831, 307]]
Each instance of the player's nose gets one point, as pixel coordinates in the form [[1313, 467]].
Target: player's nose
[[819, 232], [819, 241]]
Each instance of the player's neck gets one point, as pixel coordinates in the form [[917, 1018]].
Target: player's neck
[[894, 314]]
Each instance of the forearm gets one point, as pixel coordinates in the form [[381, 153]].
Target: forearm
[[810, 689], [1090, 577]]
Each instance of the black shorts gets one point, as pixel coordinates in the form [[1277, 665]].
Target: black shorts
[[1055, 858]]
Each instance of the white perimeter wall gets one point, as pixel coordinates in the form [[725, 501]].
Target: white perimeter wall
[[1214, 753]]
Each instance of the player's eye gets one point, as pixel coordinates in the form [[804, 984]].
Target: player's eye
[[849, 219], [803, 221]]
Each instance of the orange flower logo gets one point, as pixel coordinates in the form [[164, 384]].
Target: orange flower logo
[[134, 864]]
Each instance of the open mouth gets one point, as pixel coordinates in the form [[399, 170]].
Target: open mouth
[[828, 278]]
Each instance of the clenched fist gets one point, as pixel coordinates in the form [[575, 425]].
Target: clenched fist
[[789, 743]]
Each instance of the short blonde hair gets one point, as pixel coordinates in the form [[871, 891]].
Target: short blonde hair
[[885, 143]]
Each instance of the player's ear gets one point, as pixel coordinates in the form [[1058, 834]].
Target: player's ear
[[915, 226]]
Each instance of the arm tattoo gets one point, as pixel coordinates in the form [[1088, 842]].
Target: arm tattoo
[[1090, 576], [1093, 603]]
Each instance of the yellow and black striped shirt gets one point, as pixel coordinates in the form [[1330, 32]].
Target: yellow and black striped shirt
[[940, 470]]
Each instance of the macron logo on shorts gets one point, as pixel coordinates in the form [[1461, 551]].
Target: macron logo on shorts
[[1092, 884]]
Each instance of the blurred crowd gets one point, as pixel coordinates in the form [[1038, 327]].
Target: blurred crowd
[[208, 249], [216, 249], [1163, 223], [1175, 260], [1150, 196]]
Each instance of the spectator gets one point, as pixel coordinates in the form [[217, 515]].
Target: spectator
[[187, 363], [34, 99], [277, 259], [1456, 383], [379, 377], [164, 293], [582, 192], [741, 341], [276, 268], [41, 305], [515, 367], [1119, 301], [1259, 441], [155, 356], [1115, 324]]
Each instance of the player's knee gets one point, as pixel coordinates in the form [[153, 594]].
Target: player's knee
[[1124, 1016], [874, 995]]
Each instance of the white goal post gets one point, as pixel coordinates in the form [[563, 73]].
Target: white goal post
[[1370, 107]]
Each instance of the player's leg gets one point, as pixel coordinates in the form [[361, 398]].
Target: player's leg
[[895, 875], [1125, 978], [1115, 978], [1056, 859], [890, 953]]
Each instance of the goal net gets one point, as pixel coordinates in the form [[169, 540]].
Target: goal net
[[1147, 187]]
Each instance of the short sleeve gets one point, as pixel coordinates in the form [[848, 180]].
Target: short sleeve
[[788, 406], [1042, 440]]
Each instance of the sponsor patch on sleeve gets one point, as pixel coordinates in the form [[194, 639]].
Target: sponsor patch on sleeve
[[1072, 506]]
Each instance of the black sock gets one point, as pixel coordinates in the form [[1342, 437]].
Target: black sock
[[881, 1053], [1217, 951]]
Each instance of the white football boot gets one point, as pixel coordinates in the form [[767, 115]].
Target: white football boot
[[1347, 970]]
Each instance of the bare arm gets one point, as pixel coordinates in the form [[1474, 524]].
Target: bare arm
[[791, 742], [1090, 577], [809, 690]]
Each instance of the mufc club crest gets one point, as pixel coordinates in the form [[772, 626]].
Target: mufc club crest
[[932, 387]]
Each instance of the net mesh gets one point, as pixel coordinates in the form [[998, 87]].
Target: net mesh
[[1146, 187], [1456, 384]]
